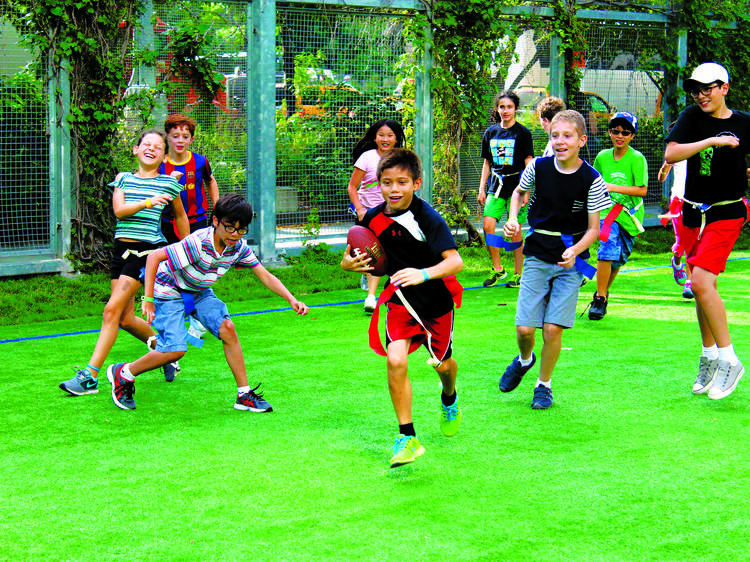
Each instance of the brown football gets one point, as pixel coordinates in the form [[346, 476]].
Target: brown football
[[363, 240]]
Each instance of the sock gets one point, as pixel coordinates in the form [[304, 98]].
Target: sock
[[91, 370], [728, 354], [242, 390], [126, 374], [407, 429], [548, 383], [448, 400], [711, 352], [525, 362]]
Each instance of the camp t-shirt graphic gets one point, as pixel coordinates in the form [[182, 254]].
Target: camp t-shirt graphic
[[502, 151]]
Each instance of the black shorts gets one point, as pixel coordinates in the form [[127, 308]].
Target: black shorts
[[132, 264]]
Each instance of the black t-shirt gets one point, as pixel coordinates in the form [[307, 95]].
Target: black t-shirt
[[415, 238], [715, 174], [506, 150]]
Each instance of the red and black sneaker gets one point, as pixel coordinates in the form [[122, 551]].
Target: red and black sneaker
[[122, 390], [252, 401]]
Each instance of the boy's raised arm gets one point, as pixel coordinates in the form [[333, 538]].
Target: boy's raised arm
[[676, 152], [270, 281]]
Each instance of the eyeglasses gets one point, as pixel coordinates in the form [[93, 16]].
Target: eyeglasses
[[620, 132], [705, 91], [231, 229]]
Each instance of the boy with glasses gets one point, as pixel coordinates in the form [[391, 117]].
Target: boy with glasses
[[714, 140], [625, 174], [178, 281]]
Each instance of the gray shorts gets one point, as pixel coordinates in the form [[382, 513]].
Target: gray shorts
[[169, 320], [548, 294]]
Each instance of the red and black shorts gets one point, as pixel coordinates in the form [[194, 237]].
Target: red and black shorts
[[400, 325]]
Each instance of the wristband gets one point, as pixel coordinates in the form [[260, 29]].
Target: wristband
[[147, 299], [425, 275], [149, 204]]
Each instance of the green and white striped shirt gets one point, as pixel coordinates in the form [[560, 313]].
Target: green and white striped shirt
[[145, 225]]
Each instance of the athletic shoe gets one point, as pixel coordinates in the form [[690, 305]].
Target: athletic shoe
[[706, 375], [598, 307], [514, 373], [370, 303], [406, 449], [495, 276], [727, 377], [171, 370], [363, 282], [252, 401], [542, 397], [514, 282], [82, 383], [687, 290], [122, 390], [196, 329], [678, 272], [450, 418]]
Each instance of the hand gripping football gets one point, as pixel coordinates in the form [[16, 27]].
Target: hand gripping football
[[362, 240]]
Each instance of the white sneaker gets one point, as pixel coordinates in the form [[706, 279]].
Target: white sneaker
[[727, 377], [370, 303], [196, 329], [706, 375]]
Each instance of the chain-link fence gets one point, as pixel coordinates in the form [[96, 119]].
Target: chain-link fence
[[620, 72], [25, 203]]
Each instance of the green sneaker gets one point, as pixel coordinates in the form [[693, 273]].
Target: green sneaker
[[450, 418], [406, 449], [514, 282]]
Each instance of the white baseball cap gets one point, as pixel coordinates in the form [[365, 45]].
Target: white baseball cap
[[706, 73]]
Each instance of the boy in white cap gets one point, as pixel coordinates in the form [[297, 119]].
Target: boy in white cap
[[625, 174], [714, 140]]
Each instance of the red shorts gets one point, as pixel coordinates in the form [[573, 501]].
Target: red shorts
[[400, 325], [710, 251]]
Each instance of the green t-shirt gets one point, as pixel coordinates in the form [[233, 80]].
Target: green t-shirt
[[631, 169]]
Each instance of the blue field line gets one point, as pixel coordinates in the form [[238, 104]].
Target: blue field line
[[342, 303]]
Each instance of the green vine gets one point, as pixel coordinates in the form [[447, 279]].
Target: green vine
[[571, 31]]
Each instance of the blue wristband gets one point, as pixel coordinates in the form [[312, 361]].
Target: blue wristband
[[425, 275]]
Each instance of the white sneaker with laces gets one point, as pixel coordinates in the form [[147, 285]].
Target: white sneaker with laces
[[370, 303], [727, 377]]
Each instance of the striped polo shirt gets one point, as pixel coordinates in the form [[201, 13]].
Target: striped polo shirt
[[145, 224], [193, 264]]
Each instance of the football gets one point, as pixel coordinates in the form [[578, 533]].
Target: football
[[362, 240]]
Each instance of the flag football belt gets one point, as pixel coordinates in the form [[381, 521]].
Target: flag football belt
[[703, 207], [454, 288], [500, 181], [188, 301], [674, 211], [611, 217], [584, 267], [137, 254], [499, 242]]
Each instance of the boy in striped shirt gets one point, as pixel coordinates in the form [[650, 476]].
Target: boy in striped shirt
[[178, 281]]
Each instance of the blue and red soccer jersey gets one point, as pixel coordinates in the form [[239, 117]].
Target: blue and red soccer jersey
[[195, 171]]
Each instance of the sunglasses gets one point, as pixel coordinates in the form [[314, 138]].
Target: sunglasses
[[705, 91], [621, 132]]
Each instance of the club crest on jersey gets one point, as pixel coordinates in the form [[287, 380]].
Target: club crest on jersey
[[191, 175], [190, 186]]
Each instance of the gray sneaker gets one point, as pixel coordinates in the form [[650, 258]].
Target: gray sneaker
[[706, 375], [727, 377], [82, 383]]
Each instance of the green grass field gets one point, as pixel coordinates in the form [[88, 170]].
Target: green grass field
[[627, 465]]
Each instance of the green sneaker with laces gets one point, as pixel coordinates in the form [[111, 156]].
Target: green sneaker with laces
[[406, 449], [514, 282], [450, 418]]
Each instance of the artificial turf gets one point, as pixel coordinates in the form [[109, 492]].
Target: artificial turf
[[627, 465]]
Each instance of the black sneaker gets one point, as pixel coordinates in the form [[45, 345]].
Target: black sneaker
[[598, 307], [514, 373], [252, 401], [171, 370], [542, 398], [122, 390], [497, 275]]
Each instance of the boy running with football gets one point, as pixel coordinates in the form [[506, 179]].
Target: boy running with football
[[419, 296]]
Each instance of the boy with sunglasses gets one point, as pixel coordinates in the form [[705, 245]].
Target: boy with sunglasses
[[714, 140], [625, 173], [178, 282]]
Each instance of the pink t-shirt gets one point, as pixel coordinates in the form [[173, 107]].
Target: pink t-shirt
[[369, 190]]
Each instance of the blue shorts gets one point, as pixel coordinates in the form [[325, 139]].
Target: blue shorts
[[169, 320], [618, 246], [548, 294]]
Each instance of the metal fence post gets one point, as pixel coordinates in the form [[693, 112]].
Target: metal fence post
[[261, 123], [423, 132]]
